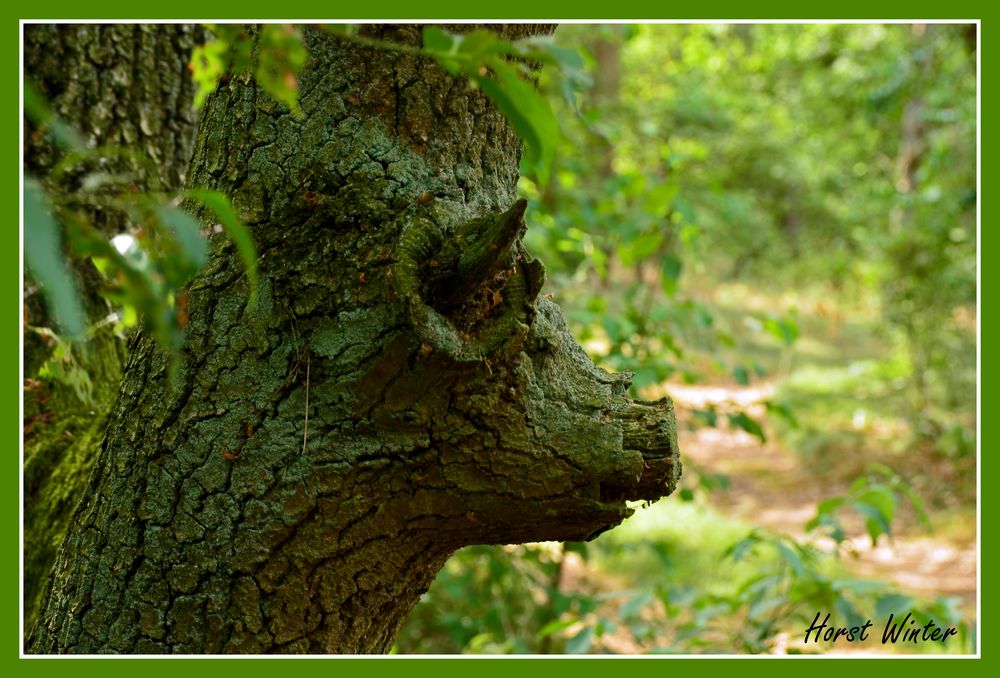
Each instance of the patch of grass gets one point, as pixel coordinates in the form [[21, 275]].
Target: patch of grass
[[672, 542]]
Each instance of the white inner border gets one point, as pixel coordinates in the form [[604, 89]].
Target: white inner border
[[979, 193]]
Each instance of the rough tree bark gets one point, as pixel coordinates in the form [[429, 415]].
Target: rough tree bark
[[398, 392], [116, 85]]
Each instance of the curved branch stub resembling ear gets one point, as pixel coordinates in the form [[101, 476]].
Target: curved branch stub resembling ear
[[471, 293], [480, 249]]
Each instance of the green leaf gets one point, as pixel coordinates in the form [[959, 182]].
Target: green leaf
[[849, 613], [918, 505], [757, 587], [528, 112], [828, 505], [825, 509], [782, 411], [743, 547], [948, 608], [44, 257], [220, 205], [876, 524], [480, 44], [686, 211], [555, 627], [139, 287], [281, 57], [635, 604], [829, 521], [63, 366], [581, 642], [187, 231], [644, 245], [759, 609], [786, 330], [569, 62], [208, 63], [713, 481], [708, 417], [438, 40], [742, 421], [861, 587], [443, 46], [660, 199], [881, 497], [725, 338], [670, 267], [241, 45], [893, 603], [740, 375], [644, 376], [789, 555]]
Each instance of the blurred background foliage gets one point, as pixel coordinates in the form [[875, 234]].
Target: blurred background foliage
[[775, 225]]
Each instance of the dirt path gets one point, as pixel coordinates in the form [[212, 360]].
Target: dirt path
[[770, 487]]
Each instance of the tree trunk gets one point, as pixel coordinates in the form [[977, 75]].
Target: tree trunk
[[397, 392], [605, 93], [125, 86]]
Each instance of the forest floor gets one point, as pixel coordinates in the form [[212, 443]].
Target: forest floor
[[772, 487], [845, 414]]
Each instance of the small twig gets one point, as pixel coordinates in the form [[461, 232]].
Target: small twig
[[305, 429]]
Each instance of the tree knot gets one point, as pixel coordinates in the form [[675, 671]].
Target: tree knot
[[469, 292]]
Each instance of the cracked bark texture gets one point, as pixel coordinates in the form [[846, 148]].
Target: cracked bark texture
[[123, 86], [214, 521]]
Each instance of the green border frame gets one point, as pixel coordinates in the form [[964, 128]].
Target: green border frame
[[508, 9]]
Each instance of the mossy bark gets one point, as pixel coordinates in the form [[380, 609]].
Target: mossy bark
[[123, 86], [321, 454]]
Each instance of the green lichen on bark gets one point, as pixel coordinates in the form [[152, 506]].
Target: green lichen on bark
[[60, 446]]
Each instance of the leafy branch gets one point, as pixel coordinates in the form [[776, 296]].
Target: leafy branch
[[144, 268]]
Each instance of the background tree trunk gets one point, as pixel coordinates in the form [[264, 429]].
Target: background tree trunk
[[396, 393], [125, 86]]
